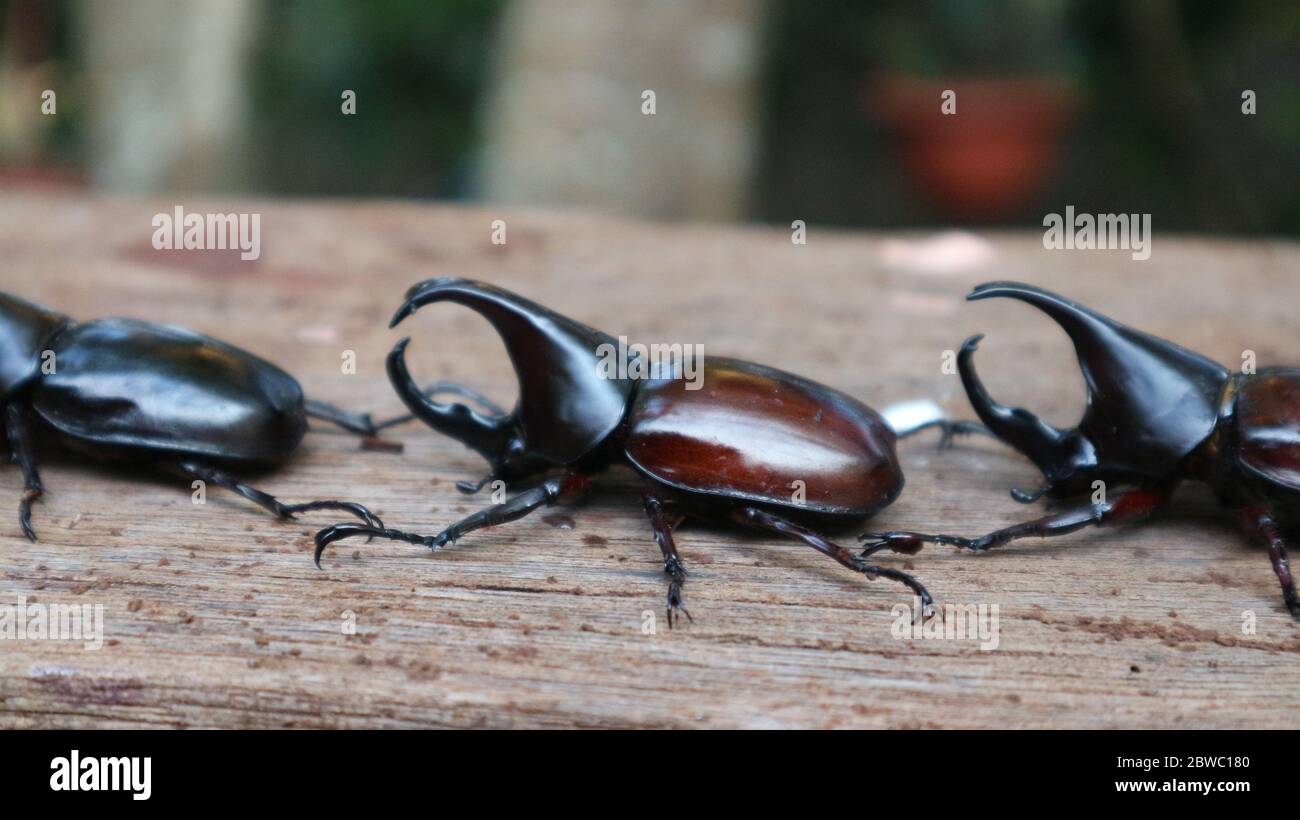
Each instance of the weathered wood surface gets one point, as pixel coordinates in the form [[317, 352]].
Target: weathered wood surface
[[215, 615]]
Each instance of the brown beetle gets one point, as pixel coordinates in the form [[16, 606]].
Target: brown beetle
[[1157, 414], [732, 450]]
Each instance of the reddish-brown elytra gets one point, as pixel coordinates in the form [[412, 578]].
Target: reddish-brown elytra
[[1157, 414], [752, 445]]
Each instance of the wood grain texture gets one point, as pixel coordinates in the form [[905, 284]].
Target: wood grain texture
[[215, 615]]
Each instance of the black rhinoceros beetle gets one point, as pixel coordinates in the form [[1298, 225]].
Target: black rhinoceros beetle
[[1157, 414], [126, 390], [729, 451]]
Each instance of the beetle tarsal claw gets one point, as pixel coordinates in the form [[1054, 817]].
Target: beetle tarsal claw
[[1029, 496], [677, 572], [908, 543], [325, 537], [25, 512], [677, 607], [289, 511], [472, 487], [338, 532], [926, 612]]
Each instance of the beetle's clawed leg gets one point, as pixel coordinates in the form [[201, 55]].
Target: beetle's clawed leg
[[872, 570], [337, 532], [360, 423], [30, 495], [948, 430], [566, 488], [560, 489], [754, 517], [677, 573], [288, 511], [267, 501], [1123, 507], [1029, 496], [450, 535], [673, 567], [472, 487], [910, 543], [1259, 521], [23, 452]]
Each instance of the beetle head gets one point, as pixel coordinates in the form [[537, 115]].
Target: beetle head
[[25, 329], [1150, 402], [566, 406]]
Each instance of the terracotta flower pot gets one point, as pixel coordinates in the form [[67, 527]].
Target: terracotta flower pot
[[985, 161]]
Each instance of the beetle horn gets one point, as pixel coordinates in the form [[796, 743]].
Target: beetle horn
[[483, 434], [1048, 447], [566, 406], [1150, 402]]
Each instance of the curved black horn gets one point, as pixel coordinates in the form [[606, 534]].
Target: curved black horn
[[1150, 402], [566, 406], [483, 434], [1048, 447]]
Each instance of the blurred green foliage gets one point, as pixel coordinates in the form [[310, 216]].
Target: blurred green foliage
[[419, 70]]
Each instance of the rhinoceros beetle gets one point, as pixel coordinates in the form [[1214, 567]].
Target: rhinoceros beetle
[[1157, 415], [126, 390], [731, 451]]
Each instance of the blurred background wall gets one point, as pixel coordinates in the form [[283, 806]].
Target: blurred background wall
[[763, 110]]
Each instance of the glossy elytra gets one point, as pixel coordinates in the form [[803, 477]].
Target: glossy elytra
[[729, 451], [1157, 415]]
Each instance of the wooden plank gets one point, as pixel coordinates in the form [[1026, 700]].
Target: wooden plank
[[215, 616]]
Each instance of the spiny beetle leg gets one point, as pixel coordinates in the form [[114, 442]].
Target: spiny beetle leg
[[673, 566], [338, 532], [754, 517], [908, 543], [269, 502], [23, 452], [1259, 520], [1123, 507], [561, 489]]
